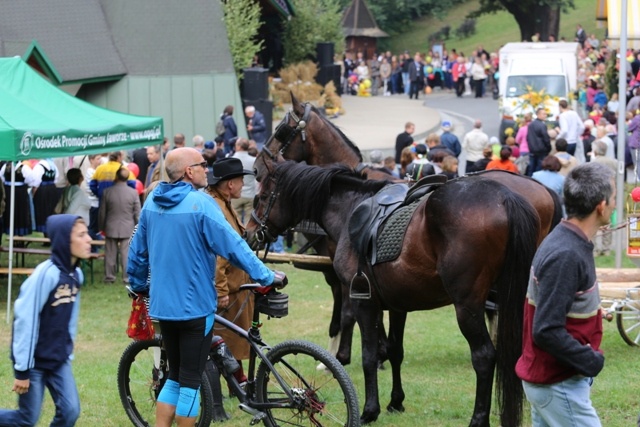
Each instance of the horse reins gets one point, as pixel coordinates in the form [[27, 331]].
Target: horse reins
[[262, 234]]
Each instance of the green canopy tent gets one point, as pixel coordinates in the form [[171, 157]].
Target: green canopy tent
[[38, 120]]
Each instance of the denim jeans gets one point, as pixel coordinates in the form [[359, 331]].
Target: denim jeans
[[62, 387], [535, 163], [405, 83], [564, 404]]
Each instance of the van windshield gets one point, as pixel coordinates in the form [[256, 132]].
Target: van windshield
[[552, 85]]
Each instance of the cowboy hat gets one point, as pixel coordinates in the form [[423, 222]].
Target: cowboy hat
[[224, 169]]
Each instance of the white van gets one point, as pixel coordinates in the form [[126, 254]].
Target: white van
[[534, 67]]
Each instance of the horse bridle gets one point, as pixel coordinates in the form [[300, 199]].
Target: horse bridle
[[286, 133], [263, 235]]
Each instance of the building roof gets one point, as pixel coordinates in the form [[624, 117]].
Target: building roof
[[73, 34], [98, 40], [358, 20], [184, 37]]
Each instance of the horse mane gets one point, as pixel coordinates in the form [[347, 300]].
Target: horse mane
[[304, 188], [344, 137]]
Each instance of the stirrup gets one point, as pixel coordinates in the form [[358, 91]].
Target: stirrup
[[359, 295]]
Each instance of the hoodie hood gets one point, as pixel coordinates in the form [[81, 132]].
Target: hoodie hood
[[59, 228], [168, 194]]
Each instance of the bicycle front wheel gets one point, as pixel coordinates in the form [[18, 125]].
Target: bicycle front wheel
[[142, 372], [320, 398]]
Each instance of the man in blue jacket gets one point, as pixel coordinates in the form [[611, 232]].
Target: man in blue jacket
[[256, 126], [173, 256], [45, 325]]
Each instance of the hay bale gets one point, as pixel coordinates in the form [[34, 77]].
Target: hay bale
[[300, 79]]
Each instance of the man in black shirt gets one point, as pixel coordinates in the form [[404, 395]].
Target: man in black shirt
[[539, 141], [404, 139]]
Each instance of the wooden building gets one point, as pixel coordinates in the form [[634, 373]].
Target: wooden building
[[360, 29]]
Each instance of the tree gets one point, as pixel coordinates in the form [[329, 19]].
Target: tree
[[532, 16], [242, 18], [316, 21]]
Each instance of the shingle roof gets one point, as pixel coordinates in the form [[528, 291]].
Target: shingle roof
[[358, 20], [73, 34], [168, 37], [102, 39]]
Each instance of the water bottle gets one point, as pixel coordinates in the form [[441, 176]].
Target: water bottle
[[223, 355]]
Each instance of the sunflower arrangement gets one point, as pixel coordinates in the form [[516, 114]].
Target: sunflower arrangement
[[534, 99]]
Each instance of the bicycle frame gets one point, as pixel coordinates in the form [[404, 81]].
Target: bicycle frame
[[253, 337]]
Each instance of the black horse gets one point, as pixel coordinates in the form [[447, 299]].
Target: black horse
[[471, 236]]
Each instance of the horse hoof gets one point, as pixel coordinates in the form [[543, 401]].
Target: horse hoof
[[366, 419], [391, 408]]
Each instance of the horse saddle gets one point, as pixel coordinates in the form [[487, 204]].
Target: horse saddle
[[368, 217]]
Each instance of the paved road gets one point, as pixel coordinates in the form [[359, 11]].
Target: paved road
[[373, 123]]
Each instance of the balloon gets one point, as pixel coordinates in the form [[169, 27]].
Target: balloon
[[635, 194], [135, 170], [139, 187], [427, 90]]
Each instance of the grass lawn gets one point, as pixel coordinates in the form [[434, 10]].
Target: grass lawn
[[492, 31], [438, 377]]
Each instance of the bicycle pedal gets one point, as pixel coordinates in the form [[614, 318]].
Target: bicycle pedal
[[257, 414], [258, 418]]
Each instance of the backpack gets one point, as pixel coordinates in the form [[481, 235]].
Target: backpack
[[220, 127]]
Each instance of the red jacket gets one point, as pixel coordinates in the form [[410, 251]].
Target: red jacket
[[458, 70]]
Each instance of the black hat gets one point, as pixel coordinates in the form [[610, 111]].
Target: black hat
[[227, 168]]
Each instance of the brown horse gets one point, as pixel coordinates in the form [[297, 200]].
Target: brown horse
[[471, 236]]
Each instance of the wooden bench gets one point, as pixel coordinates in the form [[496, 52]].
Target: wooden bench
[[47, 252], [25, 240], [19, 271], [26, 251]]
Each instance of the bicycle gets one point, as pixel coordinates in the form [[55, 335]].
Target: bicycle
[[284, 389]]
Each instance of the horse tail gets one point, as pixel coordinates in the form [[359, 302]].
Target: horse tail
[[512, 283], [557, 208]]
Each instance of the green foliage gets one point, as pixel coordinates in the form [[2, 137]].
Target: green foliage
[[493, 30], [316, 21], [611, 77], [242, 18]]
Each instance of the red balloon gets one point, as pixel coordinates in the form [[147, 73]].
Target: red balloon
[[135, 170], [635, 194], [139, 187]]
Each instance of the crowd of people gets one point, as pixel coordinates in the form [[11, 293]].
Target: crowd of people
[[75, 200], [387, 74]]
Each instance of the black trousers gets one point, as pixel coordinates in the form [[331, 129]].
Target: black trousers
[[187, 344], [414, 89]]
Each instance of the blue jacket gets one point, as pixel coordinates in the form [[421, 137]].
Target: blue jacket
[[46, 311], [259, 131], [180, 233], [452, 142], [230, 129]]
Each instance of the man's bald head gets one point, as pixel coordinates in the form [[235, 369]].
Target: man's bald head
[[178, 160]]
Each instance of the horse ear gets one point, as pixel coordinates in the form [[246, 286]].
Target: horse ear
[[294, 100], [298, 108]]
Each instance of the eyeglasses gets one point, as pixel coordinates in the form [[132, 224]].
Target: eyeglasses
[[204, 165]]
